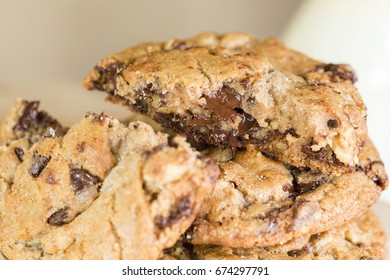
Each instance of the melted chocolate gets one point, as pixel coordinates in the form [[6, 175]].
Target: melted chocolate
[[107, 75]]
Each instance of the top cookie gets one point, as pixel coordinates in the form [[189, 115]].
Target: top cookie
[[232, 90], [101, 191]]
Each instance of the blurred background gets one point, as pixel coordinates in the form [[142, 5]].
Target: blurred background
[[48, 47]]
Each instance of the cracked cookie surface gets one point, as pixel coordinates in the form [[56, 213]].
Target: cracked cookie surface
[[102, 191], [258, 201], [362, 238], [232, 90]]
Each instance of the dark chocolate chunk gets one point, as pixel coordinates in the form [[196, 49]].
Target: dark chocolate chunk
[[181, 209], [19, 153], [48, 123], [339, 73], [332, 123], [366, 258], [246, 83], [314, 237], [82, 179], [298, 252], [139, 106], [292, 132], [372, 171], [28, 116], [38, 124], [181, 45], [315, 155], [203, 131], [269, 137], [38, 164], [273, 213], [59, 218], [223, 102], [305, 180], [107, 75]]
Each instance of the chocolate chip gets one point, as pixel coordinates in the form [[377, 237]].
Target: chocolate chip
[[372, 170], [246, 83], [181, 209], [140, 106], [305, 180], [201, 131], [223, 102], [314, 237], [19, 153], [339, 73], [315, 155], [298, 252], [81, 179], [332, 123], [38, 123], [251, 99], [273, 213], [366, 258], [181, 45], [49, 125], [302, 188], [292, 132], [28, 116], [59, 218], [107, 75], [269, 137], [247, 122], [38, 164]]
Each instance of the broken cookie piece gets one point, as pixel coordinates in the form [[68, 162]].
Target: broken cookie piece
[[102, 191], [231, 90]]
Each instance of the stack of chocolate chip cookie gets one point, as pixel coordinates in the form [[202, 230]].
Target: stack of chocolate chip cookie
[[275, 162]]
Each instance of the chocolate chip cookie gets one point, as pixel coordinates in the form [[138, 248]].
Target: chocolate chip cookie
[[232, 90], [102, 191], [362, 238], [258, 201]]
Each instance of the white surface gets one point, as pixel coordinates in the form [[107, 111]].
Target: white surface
[[382, 210], [356, 32]]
